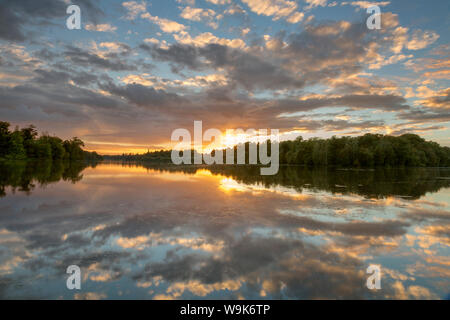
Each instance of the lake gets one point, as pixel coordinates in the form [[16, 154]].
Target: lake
[[222, 232]]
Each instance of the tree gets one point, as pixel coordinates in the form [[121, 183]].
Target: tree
[[25, 144], [56, 146], [16, 149], [73, 149], [42, 149], [4, 138]]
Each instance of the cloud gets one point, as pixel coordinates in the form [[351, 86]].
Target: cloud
[[16, 16], [199, 14], [90, 296], [366, 4], [208, 38], [10, 25], [134, 9], [166, 25], [83, 57], [315, 3], [235, 9], [100, 27], [245, 69], [219, 2], [60, 77], [277, 9], [144, 96], [139, 9], [344, 47], [196, 14], [421, 39], [439, 99], [383, 102], [424, 115]]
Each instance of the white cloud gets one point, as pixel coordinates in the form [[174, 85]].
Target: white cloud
[[234, 9], [166, 25], [199, 14], [100, 27], [162, 44], [366, 4], [399, 39], [208, 38], [245, 31], [422, 39], [134, 9], [151, 40], [112, 46], [277, 9], [382, 61], [139, 9], [221, 2], [296, 17], [196, 14], [189, 2], [315, 3]]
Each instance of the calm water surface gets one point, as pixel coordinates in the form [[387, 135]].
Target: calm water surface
[[224, 233]]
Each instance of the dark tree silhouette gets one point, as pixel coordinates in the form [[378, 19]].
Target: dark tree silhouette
[[26, 144]]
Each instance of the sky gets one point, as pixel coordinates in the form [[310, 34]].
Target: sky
[[138, 70]]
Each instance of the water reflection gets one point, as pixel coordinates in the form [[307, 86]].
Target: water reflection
[[226, 232], [22, 176]]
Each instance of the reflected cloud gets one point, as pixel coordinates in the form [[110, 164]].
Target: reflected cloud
[[223, 232]]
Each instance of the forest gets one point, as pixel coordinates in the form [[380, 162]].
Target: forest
[[25, 144], [367, 151]]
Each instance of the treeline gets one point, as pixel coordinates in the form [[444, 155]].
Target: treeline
[[163, 156], [25, 143], [367, 151], [370, 150]]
